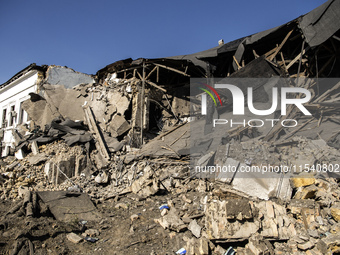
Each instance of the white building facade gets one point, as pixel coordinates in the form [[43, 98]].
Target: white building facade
[[12, 94]]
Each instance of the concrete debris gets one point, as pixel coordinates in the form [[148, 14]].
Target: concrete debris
[[74, 238], [92, 232], [335, 211], [60, 75], [146, 185], [102, 178], [67, 206], [172, 221], [195, 228], [113, 154]]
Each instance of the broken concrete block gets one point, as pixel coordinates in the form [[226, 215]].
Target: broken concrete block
[[146, 185], [302, 181], [257, 247], [270, 209], [260, 186], [335, 211], [66, 206], [92, 232], [61, 75], [80, 165], [202, 186], [48, 170], [296, 205], [74, 238], [269, 228], [306, 246], [22, 191], [35, 148], [228, 176], [219, 227], [102, 178], [121, 205], [238, 209], [314, 251], [219, 250], [36, 159], [306, 192], [118, 126], [120, 101], [172, 221], [67, 166], [203, 247], [20, 154], [164, 212], [329, 243], [195, 228]]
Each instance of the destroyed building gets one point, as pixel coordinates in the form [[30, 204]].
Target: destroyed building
[[121, 139]]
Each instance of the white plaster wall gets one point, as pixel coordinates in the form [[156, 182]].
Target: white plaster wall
[[13, 94]]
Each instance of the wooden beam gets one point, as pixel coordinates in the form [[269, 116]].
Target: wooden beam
[[147, 77], [238, 65], [284, 62], [300, 60], [100, 144], [142, 104], [140, 77], [172, 69], [155, 85], [270, 52], [255, 54], [131, 68], [297, 57], [337, 38], [280, 46]]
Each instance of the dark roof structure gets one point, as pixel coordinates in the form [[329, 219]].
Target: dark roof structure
[[31, 67]]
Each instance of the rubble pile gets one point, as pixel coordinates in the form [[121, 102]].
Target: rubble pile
[[103, 164], [205, 216]]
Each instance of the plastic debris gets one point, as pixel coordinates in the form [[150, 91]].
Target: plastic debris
[[181, 251], [230, 251], [165, 206], [91, 239]]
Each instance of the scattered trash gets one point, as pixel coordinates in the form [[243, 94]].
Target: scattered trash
[[165, 206], [181, 251], [91, 239]]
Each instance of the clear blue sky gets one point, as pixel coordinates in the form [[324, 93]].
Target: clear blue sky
[[88, 35]]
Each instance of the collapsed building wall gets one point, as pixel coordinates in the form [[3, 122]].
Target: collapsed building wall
[[18, 89]]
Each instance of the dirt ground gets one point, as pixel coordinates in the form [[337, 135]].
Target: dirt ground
[[119, 232]]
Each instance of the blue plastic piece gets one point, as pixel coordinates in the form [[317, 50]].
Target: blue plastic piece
[[181, 251], [165, 206]]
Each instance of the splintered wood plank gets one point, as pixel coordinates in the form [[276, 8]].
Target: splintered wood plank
[[280, 46], [156, 86], [172, 69], [238, 65], [151, 72], [270, 52], [297, 57], [91, 122]]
